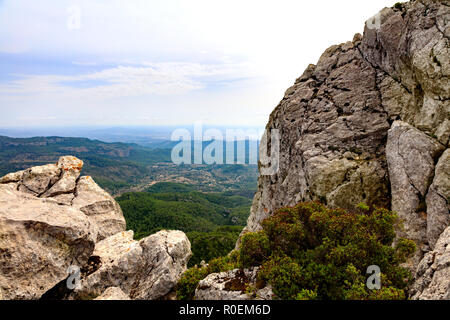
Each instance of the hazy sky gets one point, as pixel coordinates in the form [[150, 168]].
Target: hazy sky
[[148, 62]]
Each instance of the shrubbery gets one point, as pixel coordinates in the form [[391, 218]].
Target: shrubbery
[[321, 253], [190, 279], [313, 252]]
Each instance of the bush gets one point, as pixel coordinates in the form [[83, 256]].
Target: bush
[[255, 249], [190, 279], [312, 252]]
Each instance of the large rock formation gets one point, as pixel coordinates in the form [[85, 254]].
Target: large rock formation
[[113, 293], [52, 220], [144, 270], [433, 273], [411, 158], [371, 123]]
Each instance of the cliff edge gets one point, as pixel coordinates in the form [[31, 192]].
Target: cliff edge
[[370, 122], [63, 237]]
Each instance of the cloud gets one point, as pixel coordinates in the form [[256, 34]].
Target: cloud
[[146, 79], [84, 63]]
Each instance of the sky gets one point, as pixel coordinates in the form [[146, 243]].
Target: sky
[[155, 63]]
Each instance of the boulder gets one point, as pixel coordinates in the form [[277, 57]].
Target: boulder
[[99, 206], [39, 241], [144, 270], [113, 293], [45, 227], [233, 285], [433, 273], [411, 155]]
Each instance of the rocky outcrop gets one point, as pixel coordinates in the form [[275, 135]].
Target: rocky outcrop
[[233, 285], [437, 200], [411, 160], [144, 270], [42, 233], [52, 221], [99, 206], [370, 123], [113, 293], [39, 240], [433, 273]]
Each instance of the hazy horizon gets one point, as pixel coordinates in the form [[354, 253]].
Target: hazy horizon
[[127, 134]]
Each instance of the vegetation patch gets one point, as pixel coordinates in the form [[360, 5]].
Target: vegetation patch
[[191, 278], [311, 252]]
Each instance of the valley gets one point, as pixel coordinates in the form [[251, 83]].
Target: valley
[[210, 203]]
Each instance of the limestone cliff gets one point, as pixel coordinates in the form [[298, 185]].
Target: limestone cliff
[[370, 122], [51, 220]]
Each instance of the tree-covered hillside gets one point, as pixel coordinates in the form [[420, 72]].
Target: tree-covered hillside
[[123, 167], [113, 165], [212, 221]]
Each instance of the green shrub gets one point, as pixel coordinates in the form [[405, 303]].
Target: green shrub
[[190, 279], [255, 249], [189, 282], [313, 252]]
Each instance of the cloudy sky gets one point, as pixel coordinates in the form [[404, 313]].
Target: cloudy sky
[[153, 62]]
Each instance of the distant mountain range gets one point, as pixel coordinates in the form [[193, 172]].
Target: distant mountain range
[[211, 203], [122, 167]]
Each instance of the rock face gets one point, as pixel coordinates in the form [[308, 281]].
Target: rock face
[[42, 233], [39, 240], [113, 293], [433, 272], [99, 206], [144, 270], [370, 122], [233, 285], [52, 219], [411, 158]]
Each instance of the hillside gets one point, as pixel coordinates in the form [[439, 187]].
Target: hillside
[[212, 221], [122, 167]]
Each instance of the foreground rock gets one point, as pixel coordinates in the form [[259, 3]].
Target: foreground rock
[[433, 272], [39, 240], [100, 208], [233, 285], [144, 270], [113, 293], [50, 219], [370, 122]]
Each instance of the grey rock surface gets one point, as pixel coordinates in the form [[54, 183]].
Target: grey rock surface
[[113, 293], [45, 229], [99, 206], [232, 285], [411, 155], [144, 270], [437, 200], [433, 273], [370, 122], [39, 240]]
